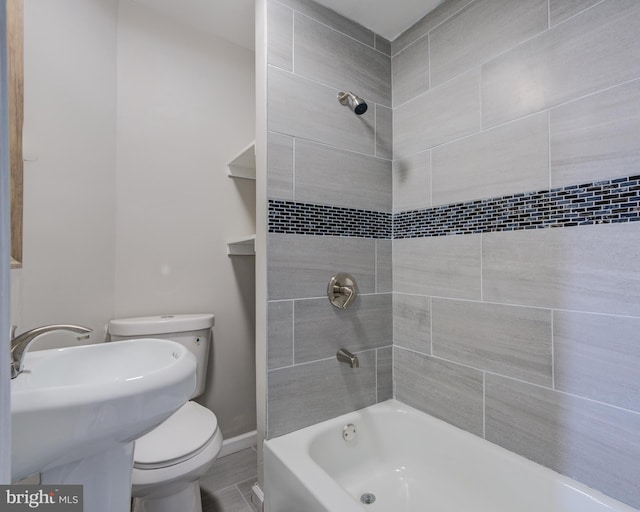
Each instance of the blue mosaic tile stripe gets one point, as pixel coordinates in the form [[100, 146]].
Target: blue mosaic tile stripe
[[601, 202], [315, 219], [608, 201]]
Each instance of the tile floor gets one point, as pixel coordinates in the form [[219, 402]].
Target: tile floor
[[227, 485], [225, 488]]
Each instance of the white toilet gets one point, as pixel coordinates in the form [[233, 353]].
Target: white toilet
[[169, 460]]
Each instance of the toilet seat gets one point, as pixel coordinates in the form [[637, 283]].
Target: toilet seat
[[173, 476], [180, 437]]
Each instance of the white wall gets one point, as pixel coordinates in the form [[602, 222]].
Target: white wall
[[186, 107], [130, 118], [5, 236], [69, 187]]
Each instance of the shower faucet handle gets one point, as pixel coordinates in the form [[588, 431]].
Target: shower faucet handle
[[342, 290]]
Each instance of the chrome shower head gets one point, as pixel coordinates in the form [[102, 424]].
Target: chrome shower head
[[356, 104]]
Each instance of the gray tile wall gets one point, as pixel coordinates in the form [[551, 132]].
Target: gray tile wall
[[320, 152], [412, 182], [528, 338], [325, 174], [590, 52], [508, 159]]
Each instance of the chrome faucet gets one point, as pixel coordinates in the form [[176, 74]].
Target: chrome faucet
[[344, 356], [20, 343]]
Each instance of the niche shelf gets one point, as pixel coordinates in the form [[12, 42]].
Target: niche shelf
[[245, 246], [243, 166]]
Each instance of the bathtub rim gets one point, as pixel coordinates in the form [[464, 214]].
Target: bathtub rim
[[294, 447]]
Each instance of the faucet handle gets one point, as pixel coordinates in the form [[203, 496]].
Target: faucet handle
[[342, 290], [21, 343], [12, 331]]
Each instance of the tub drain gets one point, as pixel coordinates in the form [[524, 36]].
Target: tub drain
[[368, 498]]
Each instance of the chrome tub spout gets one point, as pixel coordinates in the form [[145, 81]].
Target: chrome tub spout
[[344, 356]]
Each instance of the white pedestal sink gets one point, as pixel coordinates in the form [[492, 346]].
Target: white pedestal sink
[[76, 411]]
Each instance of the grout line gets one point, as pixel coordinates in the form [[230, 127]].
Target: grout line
[[392, 81], [324, 359], [375, 265], [481, 131], [481, 268], [429, 57], [265, 396], [578, 98], [431, 324], [594, 313], [499, 54], [549, 147], [319, 143], [515, 379], [430, 178], [224, 488], [375, 129], [504, 52], [480, 65], [577, 14], [515, 305], [432, 28], [480, 123], [484, 405], [557, 105], [328, 86], [375, 367], [233, 485], [293, 332], [293, 171], [324, 297], [431, 87], [371, 47], [465, 365], [553, 351], [423, 36], [293, 39], [275, 66], [393, 373], [243, 497]]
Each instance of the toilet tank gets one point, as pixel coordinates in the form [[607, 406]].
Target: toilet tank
[[192, 331]]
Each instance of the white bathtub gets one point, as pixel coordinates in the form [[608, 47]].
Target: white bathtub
[[412, 462]]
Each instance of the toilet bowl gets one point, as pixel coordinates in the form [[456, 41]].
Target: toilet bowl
[[170, 459]]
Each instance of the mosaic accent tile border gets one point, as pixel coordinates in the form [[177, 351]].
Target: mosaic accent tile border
[[323, 220], [602, 202], [607, 201]]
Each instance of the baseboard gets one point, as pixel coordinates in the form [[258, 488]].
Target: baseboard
[[257, 497], [238, 443]]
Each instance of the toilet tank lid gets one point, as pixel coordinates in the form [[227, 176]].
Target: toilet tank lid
[[160, 324]]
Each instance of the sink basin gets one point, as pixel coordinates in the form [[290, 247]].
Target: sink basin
[[72, 403]]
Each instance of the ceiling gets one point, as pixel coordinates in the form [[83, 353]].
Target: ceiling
[[388, 18], [233, 20]]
